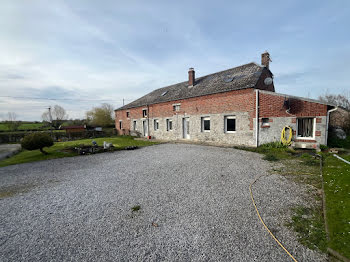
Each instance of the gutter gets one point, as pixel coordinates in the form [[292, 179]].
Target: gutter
[[257, 117], [327, 121]]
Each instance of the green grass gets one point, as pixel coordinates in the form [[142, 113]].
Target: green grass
[[336, 175], [57, 150], [24, 126], [309, 225]]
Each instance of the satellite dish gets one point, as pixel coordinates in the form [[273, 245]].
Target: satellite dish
[[268, 81], [228, 78]]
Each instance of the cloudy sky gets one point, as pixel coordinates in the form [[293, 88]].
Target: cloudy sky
[[82, 53]]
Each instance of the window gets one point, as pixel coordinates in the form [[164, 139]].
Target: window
[[230, 124], [128, 114], [169, 125], [144, 112], [134, 125], [156, 124], [205, 124], [265, 121], [120, 124], [305, 127], [176, 107]]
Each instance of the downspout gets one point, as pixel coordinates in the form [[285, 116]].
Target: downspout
[[257, 117], [327, 121], [148, 129]]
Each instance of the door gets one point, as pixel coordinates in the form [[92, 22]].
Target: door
[[145, 128], [186, 128]]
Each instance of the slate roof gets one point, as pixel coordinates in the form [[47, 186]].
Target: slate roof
[[244, 76]]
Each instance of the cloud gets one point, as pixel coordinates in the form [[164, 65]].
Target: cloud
[[95, 52]]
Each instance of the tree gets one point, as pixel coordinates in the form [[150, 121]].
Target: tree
[[339, 100], [37, 141], [101, 116], [58, 115], [11, 122]]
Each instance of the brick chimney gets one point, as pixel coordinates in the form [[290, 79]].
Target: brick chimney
[[265, 59], [191, 77]]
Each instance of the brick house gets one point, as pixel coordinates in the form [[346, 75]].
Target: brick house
[[223, 108]]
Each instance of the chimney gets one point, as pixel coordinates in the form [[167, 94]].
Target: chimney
[[265, 59], [191, 77]]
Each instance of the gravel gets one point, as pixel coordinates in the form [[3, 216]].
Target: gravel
[[194, 205]]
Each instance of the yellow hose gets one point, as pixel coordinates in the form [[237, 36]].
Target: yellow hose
[[262, 221], [284, 140]]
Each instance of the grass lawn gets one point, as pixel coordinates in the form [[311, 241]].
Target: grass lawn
[[24, 126], [336, 175], [57, 150]]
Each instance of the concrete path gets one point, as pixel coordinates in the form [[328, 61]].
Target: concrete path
[[194, 206], [7, 150]]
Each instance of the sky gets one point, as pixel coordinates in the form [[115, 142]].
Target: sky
[[81, 53]]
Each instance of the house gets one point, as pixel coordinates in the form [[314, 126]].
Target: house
[[238, 106]]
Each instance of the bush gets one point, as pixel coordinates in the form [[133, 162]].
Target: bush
[[37, 141], [323, 147]]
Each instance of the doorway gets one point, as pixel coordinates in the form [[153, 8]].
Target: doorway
[[186, 128], [145, 128]]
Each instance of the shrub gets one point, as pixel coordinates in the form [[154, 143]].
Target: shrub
[[37, 141], [323, 147]]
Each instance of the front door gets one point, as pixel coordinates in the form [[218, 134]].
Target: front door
[[145, 128], [186, 128]]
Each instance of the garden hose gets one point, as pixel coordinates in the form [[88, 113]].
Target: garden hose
[[284, 140], [262, 221]]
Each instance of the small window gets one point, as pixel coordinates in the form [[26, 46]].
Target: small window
[[305, 127], [205, 124], [169, 125], [176, 107], [156, 124], [230, 124], [120, 124], [144, 112], [265, 121], [134, 125], [128, 114]]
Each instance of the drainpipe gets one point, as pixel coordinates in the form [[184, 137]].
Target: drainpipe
[[327, 121], [148, 130], [257, 117]]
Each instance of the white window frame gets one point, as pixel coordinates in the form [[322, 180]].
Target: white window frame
[[168, 126], [225, 123], [144, 110], [156, 124], [176, 107], [267, 123], [127, 114], [134, 125], [202, 124], [313, 129]]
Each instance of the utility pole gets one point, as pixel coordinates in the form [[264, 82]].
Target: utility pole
[[50, 116], [123, 101]]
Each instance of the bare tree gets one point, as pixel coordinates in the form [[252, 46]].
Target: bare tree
[[58, 115], [339, 100], [11, 121]]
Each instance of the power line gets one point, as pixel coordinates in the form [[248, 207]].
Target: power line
[[65, 99]]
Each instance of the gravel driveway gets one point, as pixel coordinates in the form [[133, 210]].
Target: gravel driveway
[[197, 198]]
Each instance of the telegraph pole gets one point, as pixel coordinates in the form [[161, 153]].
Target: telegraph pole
[[123, 101], [50, 120]]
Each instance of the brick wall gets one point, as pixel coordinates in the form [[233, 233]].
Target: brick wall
[[238, 101]]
